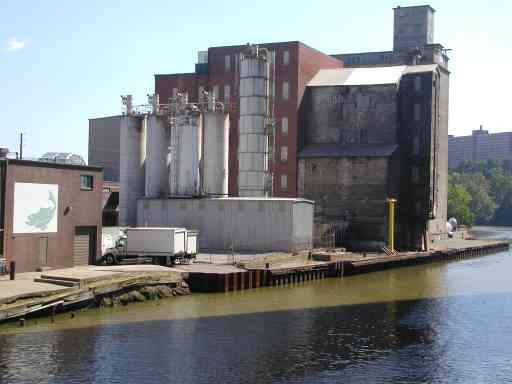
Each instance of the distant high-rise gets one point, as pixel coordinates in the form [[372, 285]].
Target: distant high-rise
[[480, 146]]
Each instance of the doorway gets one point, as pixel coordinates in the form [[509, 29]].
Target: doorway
[[84, 245]]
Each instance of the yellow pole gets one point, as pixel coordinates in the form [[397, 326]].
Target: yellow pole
[[391, 224]]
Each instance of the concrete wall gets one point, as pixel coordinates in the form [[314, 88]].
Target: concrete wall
[[246, 225], [350, 198], [437, 226], [351, 114], [104, 145], [424, 158], [132, 163], [413, 27], [85, 210]]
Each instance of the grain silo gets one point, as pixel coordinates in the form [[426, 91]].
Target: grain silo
[[254, 178]]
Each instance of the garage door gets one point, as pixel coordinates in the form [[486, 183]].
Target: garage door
[[81, 250]]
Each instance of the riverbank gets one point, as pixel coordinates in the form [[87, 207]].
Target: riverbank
[[55, 291], [91, 286]]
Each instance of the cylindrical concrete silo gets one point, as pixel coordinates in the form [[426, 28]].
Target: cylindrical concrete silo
[[253, 140], [184, 154], [215, 153], [156, 151]]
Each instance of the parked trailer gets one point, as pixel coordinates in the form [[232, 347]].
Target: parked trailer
[[165, 246]]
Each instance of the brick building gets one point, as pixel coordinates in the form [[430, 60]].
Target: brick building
[[217, 71], [50, 214]]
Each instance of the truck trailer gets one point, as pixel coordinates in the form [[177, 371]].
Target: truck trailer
[[164, 246]]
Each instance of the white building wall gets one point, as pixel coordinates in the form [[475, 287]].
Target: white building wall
[[241, 224]]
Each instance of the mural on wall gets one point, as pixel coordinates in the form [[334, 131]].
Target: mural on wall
[[35, 208]]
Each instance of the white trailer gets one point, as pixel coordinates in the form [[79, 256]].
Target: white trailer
[[163, 245]]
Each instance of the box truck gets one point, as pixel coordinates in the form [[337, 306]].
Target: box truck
[[165, 246]]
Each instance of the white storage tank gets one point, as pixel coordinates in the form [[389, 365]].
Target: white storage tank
[[215, 154], [253, 143], [131, 166], [157, 143], [185, 154]]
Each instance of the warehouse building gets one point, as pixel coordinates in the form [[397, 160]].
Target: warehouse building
[[369, 134], [50, 214]]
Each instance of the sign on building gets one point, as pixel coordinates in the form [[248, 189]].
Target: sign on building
[[35, 208]]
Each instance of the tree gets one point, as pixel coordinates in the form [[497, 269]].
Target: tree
[[458, 205]]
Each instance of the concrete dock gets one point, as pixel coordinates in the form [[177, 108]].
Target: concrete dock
[[64, 289]]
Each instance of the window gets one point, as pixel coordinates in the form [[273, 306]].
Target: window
[[417, 84], [286, 90], [417, 112], [284, 182], [284, 153], [415, 174], [284, 126], [202, 57], [363, 136], [216, 91], [227, 63], [227, 92], [416, 146], [286, 57], [86, 182]]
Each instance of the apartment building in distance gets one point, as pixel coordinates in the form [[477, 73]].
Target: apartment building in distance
[[479, 146]]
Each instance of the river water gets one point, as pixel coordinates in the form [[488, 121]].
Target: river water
[[438, 323]]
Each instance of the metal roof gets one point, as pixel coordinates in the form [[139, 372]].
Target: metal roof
[[352, 150], [366, 75]]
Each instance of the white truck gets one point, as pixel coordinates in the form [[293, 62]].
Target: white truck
[[165, 246]]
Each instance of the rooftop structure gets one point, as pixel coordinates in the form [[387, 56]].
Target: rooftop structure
[[413, 42], [62, 158]]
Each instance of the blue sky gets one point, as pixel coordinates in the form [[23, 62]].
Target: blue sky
[[62, 62]]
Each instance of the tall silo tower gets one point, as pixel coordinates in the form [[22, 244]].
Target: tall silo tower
[[254, 145]]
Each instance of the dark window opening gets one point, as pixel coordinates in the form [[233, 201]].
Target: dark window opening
[[86, 182]]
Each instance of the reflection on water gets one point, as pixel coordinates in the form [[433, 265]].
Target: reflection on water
[[445, 322]]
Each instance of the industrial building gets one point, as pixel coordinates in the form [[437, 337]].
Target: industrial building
[[377, 129], [369, 134], [479, 146], [50, 214], [347, 131]]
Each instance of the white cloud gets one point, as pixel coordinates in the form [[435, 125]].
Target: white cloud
[[13, 44]]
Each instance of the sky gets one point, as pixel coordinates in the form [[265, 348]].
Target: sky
[[63, 62]]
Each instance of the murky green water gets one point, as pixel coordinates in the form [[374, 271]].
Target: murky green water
[[444, 322]]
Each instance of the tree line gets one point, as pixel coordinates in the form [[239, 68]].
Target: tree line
[[480, 192]]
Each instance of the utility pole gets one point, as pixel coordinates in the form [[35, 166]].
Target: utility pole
[[21, 146]]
